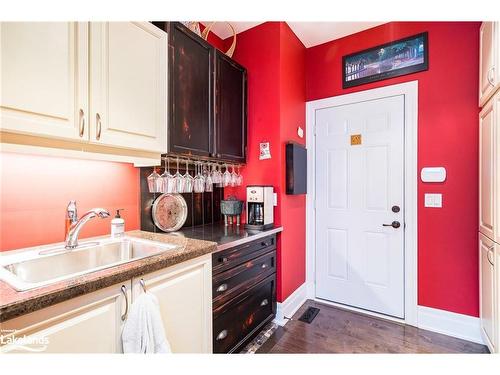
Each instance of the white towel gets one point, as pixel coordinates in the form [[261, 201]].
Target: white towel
[[143, 331]]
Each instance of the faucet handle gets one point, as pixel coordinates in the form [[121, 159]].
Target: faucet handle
[[71, 211]]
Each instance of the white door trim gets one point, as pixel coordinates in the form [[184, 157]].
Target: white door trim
[[410, 92]]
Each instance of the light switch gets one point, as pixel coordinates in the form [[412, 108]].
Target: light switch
[[433, 200]]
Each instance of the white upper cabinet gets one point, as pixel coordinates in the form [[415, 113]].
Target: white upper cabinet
[[103, 85], [489, 169], [128, 78], [489, 59], [44, 76]]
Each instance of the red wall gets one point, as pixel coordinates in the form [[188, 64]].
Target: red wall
[[447, 136], [275, 60], [36, 190]]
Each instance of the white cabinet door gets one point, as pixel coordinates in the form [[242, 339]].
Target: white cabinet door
[[128, 78], [184, 293], [88, 324], [488, 169], [487, 291], [489, 59], [44, 75]]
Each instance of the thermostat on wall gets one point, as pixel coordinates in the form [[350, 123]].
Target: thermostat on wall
[[433, 174]]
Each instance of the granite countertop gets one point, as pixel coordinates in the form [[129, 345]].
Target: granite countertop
[[226, 236], [14, 303]]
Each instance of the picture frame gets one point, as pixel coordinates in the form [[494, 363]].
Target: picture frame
[[393, 59]]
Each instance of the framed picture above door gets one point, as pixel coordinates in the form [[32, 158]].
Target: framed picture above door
[[397, 58]]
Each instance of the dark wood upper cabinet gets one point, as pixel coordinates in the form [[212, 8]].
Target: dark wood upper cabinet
[[191, 128], [230, 108]]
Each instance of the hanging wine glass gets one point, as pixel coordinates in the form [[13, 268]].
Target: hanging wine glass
[[199, 180], [234, 177], [239, 180], [188, 180], [155, 183], [226, 177], [167, 178], [178, 180], [208, 178]]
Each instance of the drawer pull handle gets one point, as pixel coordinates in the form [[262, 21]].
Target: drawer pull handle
[[264, 302], [224, 260], [222, 335], [263, 266], [264, 244], [222, 288]]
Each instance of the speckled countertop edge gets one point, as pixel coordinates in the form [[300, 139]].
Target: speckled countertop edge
[[14, 303]]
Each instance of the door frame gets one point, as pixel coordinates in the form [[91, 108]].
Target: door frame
[[410, 92]]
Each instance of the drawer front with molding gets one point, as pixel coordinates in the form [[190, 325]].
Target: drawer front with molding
[[230, 283], [234, 256], [237, 320]]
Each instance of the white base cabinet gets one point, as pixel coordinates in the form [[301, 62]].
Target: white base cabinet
[[488, 296], [88, 324], [93, 323]]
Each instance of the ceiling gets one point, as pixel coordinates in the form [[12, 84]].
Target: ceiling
[[310, 33]]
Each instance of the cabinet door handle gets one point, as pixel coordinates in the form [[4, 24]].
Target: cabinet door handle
[[222, 288], [490, 76], [124, 291], [490, 250], [81, 125], [98, 126], [264, 302], [222, 335]]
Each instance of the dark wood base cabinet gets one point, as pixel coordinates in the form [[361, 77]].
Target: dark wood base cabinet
[[244, 293]]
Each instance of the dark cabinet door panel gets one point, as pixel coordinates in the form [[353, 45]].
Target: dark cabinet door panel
[[230, 109], [191, 93]]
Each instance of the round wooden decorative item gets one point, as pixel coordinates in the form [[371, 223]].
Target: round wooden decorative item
[[230, 51], [169, 212]]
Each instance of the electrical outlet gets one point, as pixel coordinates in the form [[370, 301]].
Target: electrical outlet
[[433, 200]]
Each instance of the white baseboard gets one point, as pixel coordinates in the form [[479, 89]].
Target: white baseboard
[[290, 306], [448, 323]]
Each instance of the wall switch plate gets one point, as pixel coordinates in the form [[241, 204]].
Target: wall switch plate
[[275, 199], [433, 200]]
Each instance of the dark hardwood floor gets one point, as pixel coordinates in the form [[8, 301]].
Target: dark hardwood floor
[[335, 330]]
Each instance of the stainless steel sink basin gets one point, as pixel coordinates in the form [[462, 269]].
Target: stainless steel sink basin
[[35, 268]]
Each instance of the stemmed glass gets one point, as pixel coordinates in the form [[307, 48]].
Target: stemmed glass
[[188, 180], [178, 185], [167, 178], [226, 177], [234, 178], [217, 175], [155, 182], [208, 178], [239, 179], [199, 180]]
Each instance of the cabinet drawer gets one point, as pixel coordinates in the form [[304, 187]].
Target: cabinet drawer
[[234, 256], [230, 283], [238, 320]]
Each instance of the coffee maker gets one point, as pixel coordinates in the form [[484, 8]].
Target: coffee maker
[[260, 207]]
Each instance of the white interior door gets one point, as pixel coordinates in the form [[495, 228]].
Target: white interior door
[[359, 186]]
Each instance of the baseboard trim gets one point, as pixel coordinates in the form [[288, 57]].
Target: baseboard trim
[[290, 306], [451, 324]]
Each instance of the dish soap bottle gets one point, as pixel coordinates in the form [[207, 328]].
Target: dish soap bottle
[[117, 225]]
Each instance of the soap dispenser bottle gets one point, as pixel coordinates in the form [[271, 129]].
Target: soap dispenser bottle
[[117, 225]]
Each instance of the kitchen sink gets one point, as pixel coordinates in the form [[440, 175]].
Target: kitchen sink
[[36, 268]]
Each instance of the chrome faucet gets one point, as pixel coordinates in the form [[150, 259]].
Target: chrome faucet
[[77, 224]]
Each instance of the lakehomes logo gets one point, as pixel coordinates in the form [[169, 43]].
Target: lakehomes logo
[[10, 342]]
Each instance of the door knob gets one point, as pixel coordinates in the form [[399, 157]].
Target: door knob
[[394, 224]]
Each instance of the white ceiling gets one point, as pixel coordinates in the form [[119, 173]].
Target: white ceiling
[[310, 33]]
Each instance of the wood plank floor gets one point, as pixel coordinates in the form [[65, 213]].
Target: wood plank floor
[[335, 330]]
